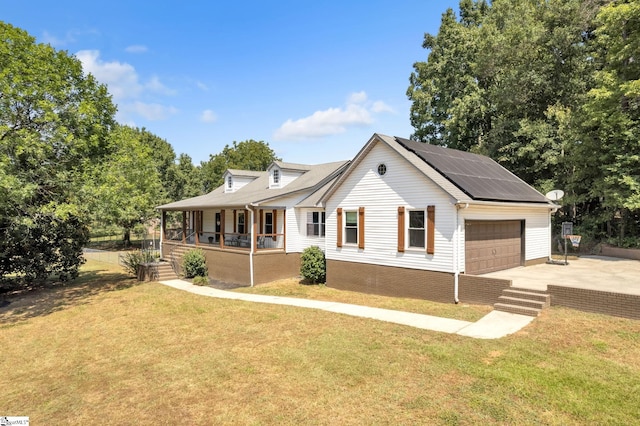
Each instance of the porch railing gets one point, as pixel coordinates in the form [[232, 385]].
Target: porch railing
[[175, 234], [231, 240]]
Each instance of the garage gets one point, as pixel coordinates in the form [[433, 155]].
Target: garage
[[492, 245]]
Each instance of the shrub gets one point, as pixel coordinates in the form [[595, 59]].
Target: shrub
[[194, 264], [201, 281], [313, 265], [131, 259]]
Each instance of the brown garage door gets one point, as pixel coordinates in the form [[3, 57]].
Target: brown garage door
[[492, 245]]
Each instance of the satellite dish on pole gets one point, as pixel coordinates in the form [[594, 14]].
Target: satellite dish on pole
[[555, 195]]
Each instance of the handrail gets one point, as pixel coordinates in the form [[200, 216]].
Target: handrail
[[175, 265]]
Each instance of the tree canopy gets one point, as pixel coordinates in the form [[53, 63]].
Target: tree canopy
[[54, 125], [247, 155], [127, 186], [66, 165], [548, 89]]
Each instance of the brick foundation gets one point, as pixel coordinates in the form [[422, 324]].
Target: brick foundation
[[228, 266], [233, 266], [271, 266], [602, 302], [480, 290], [390, 281], [623, 253]]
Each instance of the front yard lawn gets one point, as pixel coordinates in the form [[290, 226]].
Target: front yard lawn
[[110, 350]]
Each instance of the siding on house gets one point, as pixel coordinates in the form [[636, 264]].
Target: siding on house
[[294, 241], [537, 235], [209, 220], [402, 185], [303, 217]]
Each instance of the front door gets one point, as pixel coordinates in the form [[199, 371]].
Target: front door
[[217, 237]]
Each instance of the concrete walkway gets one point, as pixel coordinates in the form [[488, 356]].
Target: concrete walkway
[[494, 325]]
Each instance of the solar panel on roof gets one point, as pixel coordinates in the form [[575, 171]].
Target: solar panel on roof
[[478, 176]]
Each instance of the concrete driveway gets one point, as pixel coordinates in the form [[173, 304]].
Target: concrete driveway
[[590, 272]]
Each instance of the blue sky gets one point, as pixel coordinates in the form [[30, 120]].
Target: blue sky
[[313, 79]]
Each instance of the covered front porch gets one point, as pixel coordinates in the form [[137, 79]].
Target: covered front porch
[[245, 229]]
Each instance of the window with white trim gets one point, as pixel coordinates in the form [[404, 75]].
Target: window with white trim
[[230, 182], [276, 176], [351, 227], [416, 228], [315, 224]]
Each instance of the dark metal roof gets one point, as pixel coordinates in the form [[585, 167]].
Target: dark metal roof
[[478, 176]]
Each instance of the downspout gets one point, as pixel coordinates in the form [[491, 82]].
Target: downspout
[[550, 258], [253, 242], [162, 214], [456, 263]]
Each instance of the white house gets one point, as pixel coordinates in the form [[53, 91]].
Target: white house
[[254, 226], [403, 218], [412, 219]]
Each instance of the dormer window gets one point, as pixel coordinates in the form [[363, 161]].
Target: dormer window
[[230, 182], [276, 176]]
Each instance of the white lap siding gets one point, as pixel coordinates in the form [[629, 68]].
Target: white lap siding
[[209, 221], [402, 185], [303, 218], [537, 237]]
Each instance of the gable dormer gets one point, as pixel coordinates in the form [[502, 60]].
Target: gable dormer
[[236, 179], [281, 174]]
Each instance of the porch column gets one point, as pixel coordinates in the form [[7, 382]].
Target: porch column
[[196, 219], [254, 231], [163, 226], [184, 227], [284, 229], [222, 228]]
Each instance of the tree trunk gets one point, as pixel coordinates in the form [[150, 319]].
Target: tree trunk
[[126, 239]]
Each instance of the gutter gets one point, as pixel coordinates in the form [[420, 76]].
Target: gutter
[[456, 263], [506, 204], [253, 241]]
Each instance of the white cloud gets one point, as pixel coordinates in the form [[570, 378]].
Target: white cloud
[[357, 112], [121, 78], [49, 38], [156, 86], [357, 98], [200, 85], [379, 106], [208, 116], [151, 111], [127, 90], [136, 48], [70, 37]]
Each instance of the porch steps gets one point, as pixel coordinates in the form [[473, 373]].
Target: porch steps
[[164, 272], [174, 257], [522, 301]]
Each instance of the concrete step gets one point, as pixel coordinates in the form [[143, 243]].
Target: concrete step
[[528, 295], [515, 309], [507, 300], [528, 290], [164, 271]]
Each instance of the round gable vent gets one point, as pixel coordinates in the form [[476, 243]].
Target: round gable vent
[[382, 169]]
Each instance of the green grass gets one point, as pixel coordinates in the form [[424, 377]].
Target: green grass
[[296, 288], [111, 350]]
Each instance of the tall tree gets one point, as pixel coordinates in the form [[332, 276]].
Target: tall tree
[[125, 189], [247, 155], [503, 80], [163, 158], [608, 155], [183, 179], [54, 125]]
